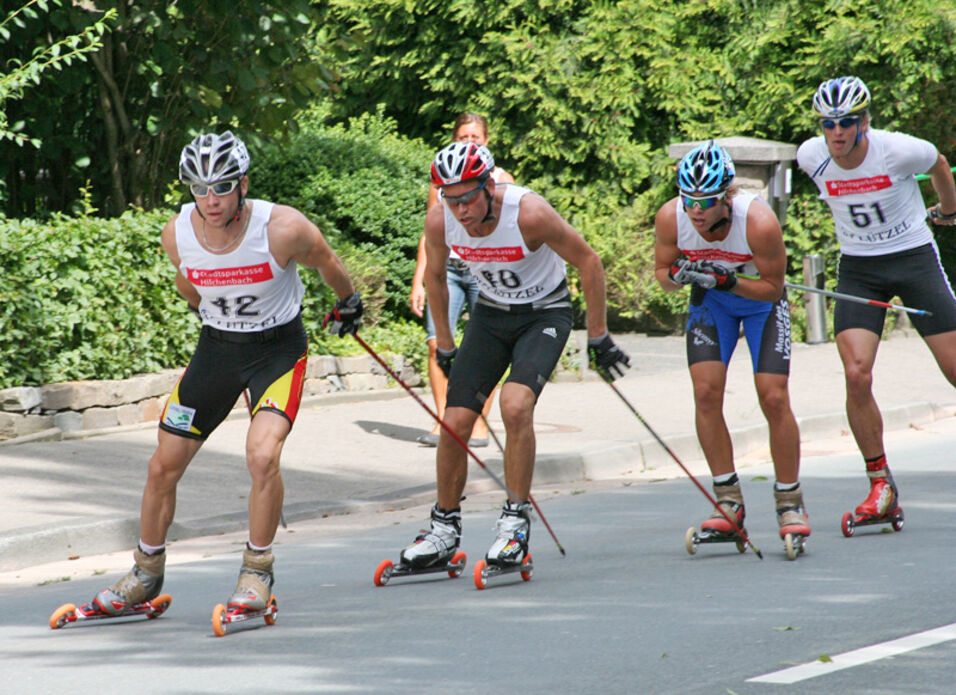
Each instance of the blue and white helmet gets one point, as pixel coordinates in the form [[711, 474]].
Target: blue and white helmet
[[212, 158], [840, 97], [707, 168]]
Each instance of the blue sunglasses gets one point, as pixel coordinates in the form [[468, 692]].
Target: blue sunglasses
[[846, 122]]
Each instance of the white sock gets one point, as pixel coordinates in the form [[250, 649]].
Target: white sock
[[725, 478], [257, 549], [786, 487], [151, 549]]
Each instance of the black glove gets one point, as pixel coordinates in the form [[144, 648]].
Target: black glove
[[345, 317], [682, 271], [607, 358], [443, 359], [724, 279]]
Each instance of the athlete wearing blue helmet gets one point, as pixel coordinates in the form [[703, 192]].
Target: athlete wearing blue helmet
[[707, 168], [728, 245]]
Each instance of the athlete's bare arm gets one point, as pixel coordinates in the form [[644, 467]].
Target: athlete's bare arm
[[436, 286], [541, 224], [292, 236], [183, 286], [941, 177], [666, 250], [765, 239]]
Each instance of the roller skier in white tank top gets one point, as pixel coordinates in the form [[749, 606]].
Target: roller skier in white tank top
[[866, 176], [235, 262], [516, 245]]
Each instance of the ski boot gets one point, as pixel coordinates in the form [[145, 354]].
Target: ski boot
[[717, 529], [509, 552], [433, 551], [135, 594], [253, 597], [881, 506], [792, 518]]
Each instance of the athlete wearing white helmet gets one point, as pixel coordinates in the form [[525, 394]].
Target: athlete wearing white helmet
[[867, 177], [704, 237], [462, 289], [516, 246], [236, 265]]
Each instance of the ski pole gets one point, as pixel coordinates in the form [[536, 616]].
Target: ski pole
[[848, 297], [245, 393], [454, 435], [737, 529]]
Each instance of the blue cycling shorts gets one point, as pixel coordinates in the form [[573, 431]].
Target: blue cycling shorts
[[713, 328]]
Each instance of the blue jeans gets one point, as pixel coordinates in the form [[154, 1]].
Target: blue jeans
[[462, 287]]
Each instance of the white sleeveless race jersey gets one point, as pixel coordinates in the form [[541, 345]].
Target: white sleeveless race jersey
[[732, 251], [877, 207], [495, 176], [505, 269], [244, 290]]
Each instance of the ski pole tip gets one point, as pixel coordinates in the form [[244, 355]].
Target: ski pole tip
[[757, 552]]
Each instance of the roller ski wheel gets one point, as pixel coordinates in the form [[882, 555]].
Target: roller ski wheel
[[223, 617], [69, 613], [484, 571], [851, 520], [694, 538], [387, 569], [794, 544]]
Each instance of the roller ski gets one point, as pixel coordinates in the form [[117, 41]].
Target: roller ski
[[432, 552], [717, 529], [135, 594], [881, 506], [792, 518], [509, 552], [252, 598]]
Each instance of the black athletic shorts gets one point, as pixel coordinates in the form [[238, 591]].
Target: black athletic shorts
[[269, 364], [530, 339], [916, 276]]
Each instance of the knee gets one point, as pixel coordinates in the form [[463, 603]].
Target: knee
[[775, 402], [162, 472], [859, 377], [460, 420], [516, 414], [262, 461], [708, 398]]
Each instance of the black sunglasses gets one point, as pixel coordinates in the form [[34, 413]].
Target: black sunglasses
[[464, 198]]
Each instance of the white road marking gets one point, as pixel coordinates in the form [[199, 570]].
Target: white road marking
[[859, 656]]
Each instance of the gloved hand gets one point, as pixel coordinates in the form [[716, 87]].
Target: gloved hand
[[723, 279], [607, 358], [345, 317], [443, 358], [681, 271]]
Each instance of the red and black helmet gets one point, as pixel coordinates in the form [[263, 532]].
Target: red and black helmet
[[462, 161]]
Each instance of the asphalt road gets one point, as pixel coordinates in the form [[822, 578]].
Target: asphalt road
[[628, 610]]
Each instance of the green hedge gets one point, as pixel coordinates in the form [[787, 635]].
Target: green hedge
[[85, 298]]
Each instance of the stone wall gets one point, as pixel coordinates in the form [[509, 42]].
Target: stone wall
[[77, 406]]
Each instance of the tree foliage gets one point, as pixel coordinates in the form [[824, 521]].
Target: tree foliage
[[24, 72], [164, 72]]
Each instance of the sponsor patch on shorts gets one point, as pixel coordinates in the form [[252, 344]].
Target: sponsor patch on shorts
[[179, 417]]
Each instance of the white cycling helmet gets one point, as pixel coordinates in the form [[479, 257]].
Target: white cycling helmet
[[211, 158], [840, 97]]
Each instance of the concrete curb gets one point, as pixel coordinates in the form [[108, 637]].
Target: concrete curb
[[644, 459]]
